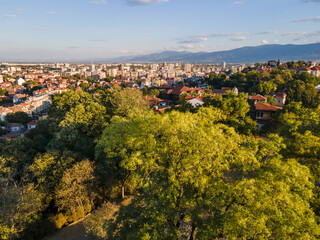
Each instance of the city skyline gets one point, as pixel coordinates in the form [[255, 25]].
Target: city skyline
[[83, 29]]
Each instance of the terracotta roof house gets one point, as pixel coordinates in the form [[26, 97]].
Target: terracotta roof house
[[280, 98], [223, 91], [32, 124], [177, 91], [258, 98], [262, 112], [14, 127], [195, 101]]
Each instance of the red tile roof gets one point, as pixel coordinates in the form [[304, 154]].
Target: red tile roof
[[33, 122], [257, 97], [184, 89], [10, 136], [259, 106], [280, 95]]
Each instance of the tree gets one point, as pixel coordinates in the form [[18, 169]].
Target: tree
[[298, 91], [18, 117], [47, 172], [42, 134], [125, 102], [94, 224], [233, 105], [21, 150], [3, 92], [139, 81], [254, 76], [20, 202], [88, 119], [63, 103], [76, 189], [197, 178], [300, 127], [266, 88]]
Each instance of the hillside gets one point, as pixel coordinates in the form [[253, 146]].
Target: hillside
[[240, 55]]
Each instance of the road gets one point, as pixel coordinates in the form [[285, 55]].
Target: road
[[74, 231]]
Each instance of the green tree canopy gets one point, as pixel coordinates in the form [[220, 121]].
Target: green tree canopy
[[18, 117], [197, 178]]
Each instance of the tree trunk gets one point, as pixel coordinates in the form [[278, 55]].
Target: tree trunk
[[122, 191], [193, 232], [180, 220]]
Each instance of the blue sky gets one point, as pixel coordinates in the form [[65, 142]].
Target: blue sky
[[84, 29]]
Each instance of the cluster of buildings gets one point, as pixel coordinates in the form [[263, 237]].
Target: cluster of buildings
[[314, 70], [260, 111], [29, 87]]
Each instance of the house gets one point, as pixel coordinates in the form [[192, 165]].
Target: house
[[280, 98], [32, 124], [223, 91], [20, 81], [273, 63], [303, 70], [258, 98], [195, 101], [219, 92], [176, 92], [4, 98], [11, 93], [42, 116], [3, 113], [234, 89], [9, 136], [14, 127], [18, 98], [157, 102], [262, 112], [316, 71]]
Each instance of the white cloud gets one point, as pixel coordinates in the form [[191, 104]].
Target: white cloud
[[265, 41], [195, 39], [267, 32], [98, 2], [240, 38], [237, 3], [186, 47], [192, 46], [276, 41], [124, 51], [312, 20], [8, 16], [144, 2], [289, 34]]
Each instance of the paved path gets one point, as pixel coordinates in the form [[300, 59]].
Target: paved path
[[74, 231]]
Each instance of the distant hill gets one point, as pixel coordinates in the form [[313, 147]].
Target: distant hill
[[261, 53]]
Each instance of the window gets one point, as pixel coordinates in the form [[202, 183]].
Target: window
[[259, 114]]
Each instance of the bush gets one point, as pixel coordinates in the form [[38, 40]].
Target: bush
[[95, 223], [75, 214], [60, 220]]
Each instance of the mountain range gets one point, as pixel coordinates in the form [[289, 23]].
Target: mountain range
[[261, 53]]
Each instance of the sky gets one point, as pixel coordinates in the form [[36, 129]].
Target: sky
[[39, 30]]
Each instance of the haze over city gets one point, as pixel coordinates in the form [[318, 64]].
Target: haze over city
[[83, 29]]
